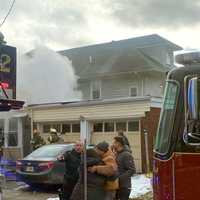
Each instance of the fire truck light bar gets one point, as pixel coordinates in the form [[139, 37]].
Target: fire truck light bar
[[4, 85]]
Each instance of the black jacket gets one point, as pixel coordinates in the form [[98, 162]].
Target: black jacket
[[72, 163], [126, 167], [95, 183], [126, 141]]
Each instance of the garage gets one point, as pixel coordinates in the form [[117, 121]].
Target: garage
[[103, 118]]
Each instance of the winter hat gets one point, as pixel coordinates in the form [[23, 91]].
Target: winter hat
[[103, 146]]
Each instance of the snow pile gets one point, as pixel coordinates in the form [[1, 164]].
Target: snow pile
[[140, 186], [21, 185]]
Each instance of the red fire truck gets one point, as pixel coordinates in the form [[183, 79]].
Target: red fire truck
[[176, 164]]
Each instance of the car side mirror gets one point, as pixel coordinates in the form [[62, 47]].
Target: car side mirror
[[192, 128], [193, 98]]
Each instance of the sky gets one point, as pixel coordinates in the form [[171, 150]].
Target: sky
[[64, 24]]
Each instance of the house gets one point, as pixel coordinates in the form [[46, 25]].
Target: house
[[122, 83]]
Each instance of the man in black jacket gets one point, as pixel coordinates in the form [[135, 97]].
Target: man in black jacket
[[121, 133], [126, 167], [72, 163]]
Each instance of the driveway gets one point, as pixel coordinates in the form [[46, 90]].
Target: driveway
[[19, 191]]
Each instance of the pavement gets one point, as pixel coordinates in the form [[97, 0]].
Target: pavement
[[19, 191]]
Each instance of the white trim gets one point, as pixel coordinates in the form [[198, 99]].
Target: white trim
[[142, 86], [91, 89]]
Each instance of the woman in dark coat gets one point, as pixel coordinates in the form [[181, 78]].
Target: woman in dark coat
[[95, 182]]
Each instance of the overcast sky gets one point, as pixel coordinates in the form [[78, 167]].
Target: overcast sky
[[62, 24]]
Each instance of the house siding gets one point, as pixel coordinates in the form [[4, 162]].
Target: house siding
[[119, 86], [92, 112], [159, 53]]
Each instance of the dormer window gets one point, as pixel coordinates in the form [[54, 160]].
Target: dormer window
[[90, 59], [133, 92], [96, 89]]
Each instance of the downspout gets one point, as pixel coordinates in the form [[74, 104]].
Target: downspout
[[31, 116], [142, 86]]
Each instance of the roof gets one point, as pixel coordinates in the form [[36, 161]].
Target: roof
[[94, 102], [118, 57]]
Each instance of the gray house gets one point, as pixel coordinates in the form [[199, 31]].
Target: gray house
[[121, 69], [122, 83]]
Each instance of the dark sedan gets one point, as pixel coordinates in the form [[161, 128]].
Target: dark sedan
[[42, 167]]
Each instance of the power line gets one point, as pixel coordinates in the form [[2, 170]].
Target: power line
[[9, 11]]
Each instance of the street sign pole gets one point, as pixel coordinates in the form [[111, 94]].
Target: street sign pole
[[84, 141], [85, 169]]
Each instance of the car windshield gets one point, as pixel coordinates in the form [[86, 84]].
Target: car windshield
[[47, 151], [167, 118]]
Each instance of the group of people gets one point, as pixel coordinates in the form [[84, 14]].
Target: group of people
[[109, 168], [38, 141], [109, 171]]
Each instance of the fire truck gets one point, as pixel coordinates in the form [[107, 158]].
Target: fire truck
[[176, 164]]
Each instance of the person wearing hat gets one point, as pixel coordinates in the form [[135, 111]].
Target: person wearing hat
[[54, 138], [37, 141], [121, 133], [72, 161], [95, 182], [109, 169], [126, 167]]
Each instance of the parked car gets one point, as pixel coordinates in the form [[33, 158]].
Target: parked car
[[42, 167]]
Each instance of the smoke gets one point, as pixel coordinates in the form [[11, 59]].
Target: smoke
[[44, 76]]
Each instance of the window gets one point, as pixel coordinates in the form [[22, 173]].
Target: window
[[96, 89], [168, 59], [133, 91], [133, 126], [120, 126], [75, 128], [167, 118], [66, 128], [109, 126], [12, 134], [98, 127], [46, 128]]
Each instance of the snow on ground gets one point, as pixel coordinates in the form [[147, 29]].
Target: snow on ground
[[21, 185], [140, 186]]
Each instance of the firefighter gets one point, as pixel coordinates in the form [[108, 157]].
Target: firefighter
[[37, 141], [1, 146], [54, 138]]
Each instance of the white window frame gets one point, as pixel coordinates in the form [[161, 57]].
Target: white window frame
[[91, 89], [97, 123], [132, 120], [168, 58], [130, 91], [51, 126], [70, 125]]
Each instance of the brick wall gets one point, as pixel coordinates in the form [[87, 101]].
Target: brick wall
[[149, 123]]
